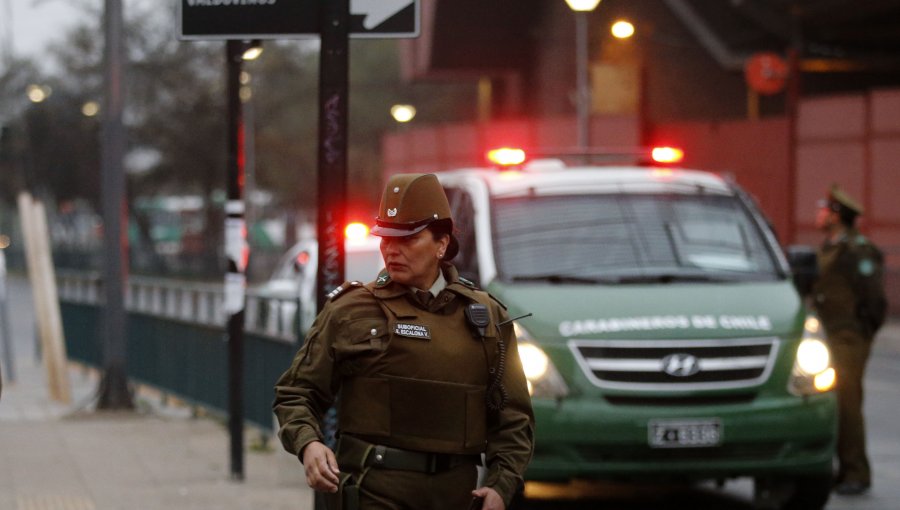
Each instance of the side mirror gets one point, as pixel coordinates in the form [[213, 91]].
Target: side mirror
[[804, 267]]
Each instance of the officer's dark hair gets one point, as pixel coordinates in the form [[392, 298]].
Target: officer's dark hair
[[444, 227], [441, 228]]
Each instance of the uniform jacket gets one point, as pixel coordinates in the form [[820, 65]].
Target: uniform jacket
[[410, 377], [849, 293]]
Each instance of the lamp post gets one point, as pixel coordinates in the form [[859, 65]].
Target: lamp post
[[583, 91]]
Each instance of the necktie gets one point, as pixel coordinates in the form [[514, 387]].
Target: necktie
[[424, 297]]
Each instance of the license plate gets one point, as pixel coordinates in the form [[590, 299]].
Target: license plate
[[684, 433]]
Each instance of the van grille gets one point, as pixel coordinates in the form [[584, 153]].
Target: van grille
[[676, 365]]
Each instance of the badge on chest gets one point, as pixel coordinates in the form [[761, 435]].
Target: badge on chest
[[412, 331]]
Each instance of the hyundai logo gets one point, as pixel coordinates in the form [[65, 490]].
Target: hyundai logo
[[680, 365]]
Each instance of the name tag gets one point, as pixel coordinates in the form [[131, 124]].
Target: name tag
[[412, 331]]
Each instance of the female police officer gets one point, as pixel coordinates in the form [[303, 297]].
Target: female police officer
[[428, 373]]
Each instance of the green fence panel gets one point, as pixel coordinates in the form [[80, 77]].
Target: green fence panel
[[184, 359], [81, 328]]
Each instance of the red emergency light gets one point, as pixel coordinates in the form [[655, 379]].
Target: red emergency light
[[356, 231], [506, 156], [666, 155]]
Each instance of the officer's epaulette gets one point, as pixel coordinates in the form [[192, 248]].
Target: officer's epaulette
[[343, 288], [467, 283], [495, 299]]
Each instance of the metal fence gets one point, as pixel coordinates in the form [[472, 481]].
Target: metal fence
[[176, 339]]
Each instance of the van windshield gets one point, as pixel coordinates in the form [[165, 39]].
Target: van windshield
[[628, 238]]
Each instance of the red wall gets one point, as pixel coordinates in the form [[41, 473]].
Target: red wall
[[755, 153]]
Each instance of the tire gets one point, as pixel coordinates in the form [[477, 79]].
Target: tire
[[810, 493]]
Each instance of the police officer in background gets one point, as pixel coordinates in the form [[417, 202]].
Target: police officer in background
[[849, 298], [428, 372]]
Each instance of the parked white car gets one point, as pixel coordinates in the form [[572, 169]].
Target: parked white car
[[291, 288]]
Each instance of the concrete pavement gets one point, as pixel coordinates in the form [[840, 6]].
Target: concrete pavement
[[71, 457]]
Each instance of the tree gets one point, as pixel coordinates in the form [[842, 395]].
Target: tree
[[176, 122]]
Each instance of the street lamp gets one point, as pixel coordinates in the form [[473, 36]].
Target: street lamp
[[583, 91], [252, 50], [38, 93], [403, 113], [90, 108], [622, 29]]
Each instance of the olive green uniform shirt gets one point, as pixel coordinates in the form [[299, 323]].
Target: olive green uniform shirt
[[849, 292], [347, 344]]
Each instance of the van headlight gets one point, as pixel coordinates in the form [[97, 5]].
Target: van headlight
[[543, 379], [812, 371]]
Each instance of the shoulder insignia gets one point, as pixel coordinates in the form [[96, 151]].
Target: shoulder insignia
[[383, 279], [341, 289], [467, 283]]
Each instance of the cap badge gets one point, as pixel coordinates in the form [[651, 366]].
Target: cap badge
[[392, 212], [396, 189]]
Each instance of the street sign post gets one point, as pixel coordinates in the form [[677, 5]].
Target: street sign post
[[288, 19]]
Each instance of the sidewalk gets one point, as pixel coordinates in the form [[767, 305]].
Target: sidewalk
[[66, 457], [71, 457]]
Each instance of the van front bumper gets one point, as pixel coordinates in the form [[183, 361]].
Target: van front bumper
[[588, 438]]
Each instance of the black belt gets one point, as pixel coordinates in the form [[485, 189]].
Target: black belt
[[386, 457]]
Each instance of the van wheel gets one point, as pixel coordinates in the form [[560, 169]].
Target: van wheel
[[809, 492]]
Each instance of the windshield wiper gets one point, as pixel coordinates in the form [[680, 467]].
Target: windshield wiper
[[627, 279], [672, 278], [562, 278]]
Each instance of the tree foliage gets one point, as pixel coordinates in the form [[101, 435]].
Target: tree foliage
[[175, 118]]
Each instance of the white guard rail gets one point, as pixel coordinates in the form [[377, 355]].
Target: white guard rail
[[187, 301]]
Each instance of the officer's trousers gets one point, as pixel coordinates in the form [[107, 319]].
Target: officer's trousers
[[388, 489], [850, 352]]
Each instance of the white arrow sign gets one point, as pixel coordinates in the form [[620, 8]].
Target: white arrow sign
[[377, 12]]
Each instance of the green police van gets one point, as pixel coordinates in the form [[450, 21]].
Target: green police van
[[668, 341]]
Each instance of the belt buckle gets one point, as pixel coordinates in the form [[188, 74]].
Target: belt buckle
[[432, 463], [438, 462], [378, 458]]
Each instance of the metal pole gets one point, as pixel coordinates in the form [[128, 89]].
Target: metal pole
[[333, 111], [334, 70], [583, 93], [9, 364], [114, 392], [237, 251]]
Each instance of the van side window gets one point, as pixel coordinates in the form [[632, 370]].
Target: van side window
[[463, 211]]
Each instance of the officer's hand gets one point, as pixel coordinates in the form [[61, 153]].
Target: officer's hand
[[492, 500], [321, 467]]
